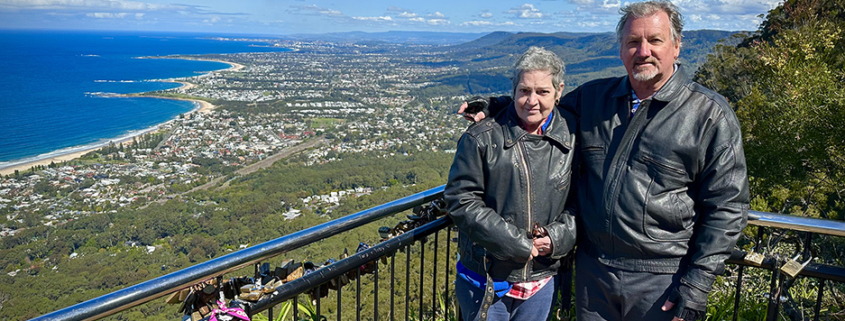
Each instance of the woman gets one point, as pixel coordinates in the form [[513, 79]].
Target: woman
[[507, 194]]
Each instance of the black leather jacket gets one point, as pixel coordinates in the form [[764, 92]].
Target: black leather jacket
[[665, 191], [502, 181]]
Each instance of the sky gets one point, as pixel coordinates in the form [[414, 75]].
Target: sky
[[266, 17]]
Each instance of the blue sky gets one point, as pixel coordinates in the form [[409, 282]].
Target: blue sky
[[316, 16]]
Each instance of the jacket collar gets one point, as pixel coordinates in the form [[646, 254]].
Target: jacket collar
[[666, 93], [557, 130]]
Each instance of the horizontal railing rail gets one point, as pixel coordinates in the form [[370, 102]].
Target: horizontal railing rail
[[138, 294]]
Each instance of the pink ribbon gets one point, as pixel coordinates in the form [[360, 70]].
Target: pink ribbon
[[222, 309]]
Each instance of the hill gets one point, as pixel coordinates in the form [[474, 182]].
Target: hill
[[487, 60]]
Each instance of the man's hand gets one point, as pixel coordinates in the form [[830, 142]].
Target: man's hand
[[692, 303], [474, 108], [543, 245]]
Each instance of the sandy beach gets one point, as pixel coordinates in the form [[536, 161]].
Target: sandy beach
[[204, 107]]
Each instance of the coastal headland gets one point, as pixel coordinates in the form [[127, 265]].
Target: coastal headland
[[202, 107]]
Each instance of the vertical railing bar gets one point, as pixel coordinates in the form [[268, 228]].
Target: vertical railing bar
[[819, 300], [296, 307], [434, 279], [339, 297], [807, 244], [375, 290], [407, 278], [738, 292], [774, 293], [358, 295], [422, 272], [448, 269], [319, 294], [392, 284], [270, 313]]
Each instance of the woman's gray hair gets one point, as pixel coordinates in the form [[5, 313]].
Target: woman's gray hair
[[644, 9], [538, 58]]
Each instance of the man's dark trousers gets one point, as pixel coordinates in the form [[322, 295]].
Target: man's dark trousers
[[606, 293]]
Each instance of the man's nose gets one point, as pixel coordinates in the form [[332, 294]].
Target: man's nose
[[644, 49]]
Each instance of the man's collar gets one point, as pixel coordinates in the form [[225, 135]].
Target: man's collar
[[667, 92]]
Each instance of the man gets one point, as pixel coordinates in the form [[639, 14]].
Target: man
[[663, 189]]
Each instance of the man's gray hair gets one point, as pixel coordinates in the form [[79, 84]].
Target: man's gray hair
[[538, 58], [644, 9]]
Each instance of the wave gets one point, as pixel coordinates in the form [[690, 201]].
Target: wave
[[121, 81], [89, 55]]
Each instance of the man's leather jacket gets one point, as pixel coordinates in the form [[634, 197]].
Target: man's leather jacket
[[665, 191], [501, 183]]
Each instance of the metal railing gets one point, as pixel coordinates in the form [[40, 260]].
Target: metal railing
[[117, 301]]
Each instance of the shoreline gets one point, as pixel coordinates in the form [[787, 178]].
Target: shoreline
[[201, 107]]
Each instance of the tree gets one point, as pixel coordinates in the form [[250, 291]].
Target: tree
[[785, 83]]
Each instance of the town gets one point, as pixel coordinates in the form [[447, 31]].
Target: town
[[311, 102]]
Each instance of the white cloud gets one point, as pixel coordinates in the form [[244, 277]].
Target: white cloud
[[384, 18], [313, 9], [406, 14], [436, 15], [417, 19], [484, 23], [695, 17], [526, 11], [438, 22], [476, 23], [486, 14], [396, 9], [90, 4], [107, 15]]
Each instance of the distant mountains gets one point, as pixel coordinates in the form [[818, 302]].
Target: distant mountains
[[484, 60], [587, 56], [393, 37]]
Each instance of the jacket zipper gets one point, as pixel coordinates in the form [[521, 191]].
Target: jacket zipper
[[528, 200], [663, 166]]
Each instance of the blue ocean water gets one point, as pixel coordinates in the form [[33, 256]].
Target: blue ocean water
[[47, 77]]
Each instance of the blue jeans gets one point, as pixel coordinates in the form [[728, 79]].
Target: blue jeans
[[536, 308]]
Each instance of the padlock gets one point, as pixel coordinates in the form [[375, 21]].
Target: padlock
[[754, 258], [792, 267]]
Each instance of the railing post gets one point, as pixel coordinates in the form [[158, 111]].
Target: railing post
[[774, 291], [422, 269], [358, 295], [448, 268], [407, 279], [434, 279], [339, 296], [375, 291], [819, 300], [392, 284], [738, 292]]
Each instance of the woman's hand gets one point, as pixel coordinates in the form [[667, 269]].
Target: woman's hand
[[543, 245]]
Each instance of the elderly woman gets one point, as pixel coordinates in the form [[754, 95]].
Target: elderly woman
[[507, 194]]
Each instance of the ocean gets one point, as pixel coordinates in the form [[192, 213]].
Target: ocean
[[49, 82]]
